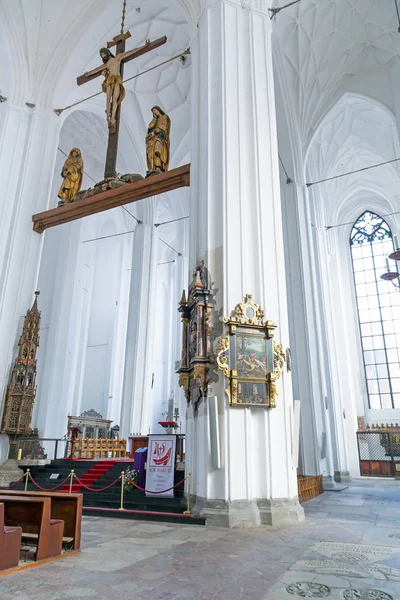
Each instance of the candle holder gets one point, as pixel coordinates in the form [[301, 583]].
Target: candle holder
[[390, 275], [395, 255]]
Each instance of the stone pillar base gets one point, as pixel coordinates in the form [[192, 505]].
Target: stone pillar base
[[330, 484], [342, 477], [10, 472], [282, 512]]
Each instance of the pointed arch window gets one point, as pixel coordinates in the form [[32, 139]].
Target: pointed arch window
[[378, 304]]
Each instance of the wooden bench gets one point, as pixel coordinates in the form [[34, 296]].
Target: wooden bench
[[10, 543], [33, 514], [66, 507]]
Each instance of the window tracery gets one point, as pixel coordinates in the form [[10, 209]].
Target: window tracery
[[378, 306]]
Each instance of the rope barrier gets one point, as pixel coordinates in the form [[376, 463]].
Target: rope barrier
[[96, 489], [162, 491], [7, 487], [48, 489], [79, 482]]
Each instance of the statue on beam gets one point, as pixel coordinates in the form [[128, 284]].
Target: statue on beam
[[157, 142], [72, 173]]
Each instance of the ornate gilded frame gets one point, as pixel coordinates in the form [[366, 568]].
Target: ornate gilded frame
[[249, 357]]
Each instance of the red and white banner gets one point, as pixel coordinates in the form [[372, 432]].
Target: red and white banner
[[160, 464]]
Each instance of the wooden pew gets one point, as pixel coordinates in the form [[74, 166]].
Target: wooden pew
[[65, 507], [33, 514], [10, 543]]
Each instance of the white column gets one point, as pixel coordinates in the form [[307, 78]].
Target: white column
[[119, 339], [67, 299], [137, 386], [27, 156], [319, 443], [339, 372], [236, 227]]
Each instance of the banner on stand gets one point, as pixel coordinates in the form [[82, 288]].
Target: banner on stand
[[160, 469]]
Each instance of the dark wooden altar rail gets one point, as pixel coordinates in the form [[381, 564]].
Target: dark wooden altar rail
[[131, 192]]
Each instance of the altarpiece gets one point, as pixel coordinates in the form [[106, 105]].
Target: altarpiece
[[194, 370], [249, 357], [21, 392]]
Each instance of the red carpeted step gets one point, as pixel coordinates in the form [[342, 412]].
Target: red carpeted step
[[76, 489], [93, 474]]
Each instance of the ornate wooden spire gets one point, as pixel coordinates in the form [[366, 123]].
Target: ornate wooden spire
[[21, 391]]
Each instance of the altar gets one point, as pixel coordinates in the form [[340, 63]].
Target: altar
[[90, 424]]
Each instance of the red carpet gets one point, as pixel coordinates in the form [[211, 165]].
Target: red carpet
[[91, 476]]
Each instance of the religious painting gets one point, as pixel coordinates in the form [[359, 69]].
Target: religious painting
[[193, 343], [252, 393], [249, 357]]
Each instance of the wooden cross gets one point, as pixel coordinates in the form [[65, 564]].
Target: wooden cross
[[119, 42], [131, 192]]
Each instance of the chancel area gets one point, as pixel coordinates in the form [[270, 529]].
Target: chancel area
[[199, 290]]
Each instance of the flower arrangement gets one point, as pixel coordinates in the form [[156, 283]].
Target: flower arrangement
[[131, 478]]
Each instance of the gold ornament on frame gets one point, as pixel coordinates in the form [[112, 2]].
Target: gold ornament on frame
[[249, 357]]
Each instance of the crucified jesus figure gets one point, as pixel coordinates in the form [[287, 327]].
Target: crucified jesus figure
[[112, 85]]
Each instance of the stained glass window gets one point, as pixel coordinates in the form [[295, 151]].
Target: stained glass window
[[378, 303]]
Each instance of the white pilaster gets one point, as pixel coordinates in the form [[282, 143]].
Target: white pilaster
[[236, 227], [27, 155], [120, 332], [137, 386], [66, 309], [340, 374]]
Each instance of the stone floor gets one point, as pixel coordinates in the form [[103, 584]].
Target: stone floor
[[349, 548]]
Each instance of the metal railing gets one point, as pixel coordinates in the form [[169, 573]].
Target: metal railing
[[379, 452], [38, 448]]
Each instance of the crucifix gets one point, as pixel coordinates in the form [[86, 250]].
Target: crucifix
[[112, 69], [111, 197]]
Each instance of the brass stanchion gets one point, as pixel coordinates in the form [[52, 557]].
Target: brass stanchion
[[188, 511], [122, 490], [27, 474], [72, 475]]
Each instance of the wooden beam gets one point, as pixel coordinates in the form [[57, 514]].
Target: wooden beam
[[131, 192]]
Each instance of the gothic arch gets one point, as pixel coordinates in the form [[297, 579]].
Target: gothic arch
[[339, 104]]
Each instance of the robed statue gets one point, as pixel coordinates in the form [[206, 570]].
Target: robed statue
[[72, 173], [157, 142]]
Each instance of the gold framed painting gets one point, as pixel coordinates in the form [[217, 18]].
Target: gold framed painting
[[248, 357]]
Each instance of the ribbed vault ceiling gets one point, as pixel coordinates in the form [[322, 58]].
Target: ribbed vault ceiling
[[322, 41]]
